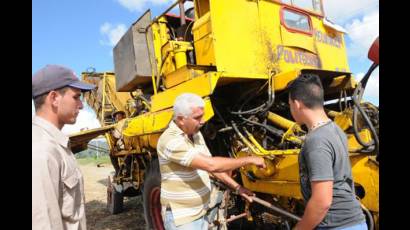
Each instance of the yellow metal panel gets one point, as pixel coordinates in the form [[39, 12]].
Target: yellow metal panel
[[201, 86], [243, 75], [343, 119], [155, 122], [237, 39], [366, 173], [181, 75], [202, 27], [297, 40], [284, 181], [330, 47], [203, 41], [281, 188], [280, 81]]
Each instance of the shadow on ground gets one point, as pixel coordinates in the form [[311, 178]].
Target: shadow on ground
[[132, 217], [103, 181]]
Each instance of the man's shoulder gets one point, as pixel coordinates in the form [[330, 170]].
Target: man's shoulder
[[168, 134], [322, 135], [44, 146]]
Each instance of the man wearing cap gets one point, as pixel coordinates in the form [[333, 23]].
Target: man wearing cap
[[57, 183]]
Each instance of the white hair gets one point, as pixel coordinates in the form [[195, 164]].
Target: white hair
[[184, 104]]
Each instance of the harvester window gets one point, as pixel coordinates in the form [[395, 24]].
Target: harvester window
[[296, 21], [309, 5]]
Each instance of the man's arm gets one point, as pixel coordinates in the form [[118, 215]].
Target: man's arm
[[223, 164], [227, 180], [317, 206]]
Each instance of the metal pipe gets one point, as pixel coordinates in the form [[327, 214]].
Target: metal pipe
[[158, 17], [182, 12], [153, 65], [233, 217], [276, 209], [270, 152], [103, 100], [280, 121], [247, 143]]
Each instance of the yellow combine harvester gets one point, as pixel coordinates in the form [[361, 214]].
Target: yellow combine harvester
[[239, 55]]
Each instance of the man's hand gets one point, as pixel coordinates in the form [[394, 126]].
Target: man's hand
[[258, 161], [245, 193]]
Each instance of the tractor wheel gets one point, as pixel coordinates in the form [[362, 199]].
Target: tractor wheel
[[115, 200], [151, 197]]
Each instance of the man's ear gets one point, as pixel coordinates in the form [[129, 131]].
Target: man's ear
[[179, 120], [298, 104], [54, 98]]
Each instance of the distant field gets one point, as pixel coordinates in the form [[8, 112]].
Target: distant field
[[94, 160]]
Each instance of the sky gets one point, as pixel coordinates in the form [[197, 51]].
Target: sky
[[82, 33]]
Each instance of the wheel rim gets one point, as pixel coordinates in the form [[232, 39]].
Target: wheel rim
[[155, 208]]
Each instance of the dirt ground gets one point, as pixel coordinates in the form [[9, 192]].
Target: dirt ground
[[98, 217]]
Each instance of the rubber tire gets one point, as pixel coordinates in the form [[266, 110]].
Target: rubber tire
[[115, 200], [152, 181]]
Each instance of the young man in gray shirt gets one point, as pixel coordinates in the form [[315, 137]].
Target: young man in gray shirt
[[324, 166]]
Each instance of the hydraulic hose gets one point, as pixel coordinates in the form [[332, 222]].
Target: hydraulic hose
[[357, 96], [375, 140]]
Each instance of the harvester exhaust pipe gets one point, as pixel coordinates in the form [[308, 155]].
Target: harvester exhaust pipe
[[182, 12]]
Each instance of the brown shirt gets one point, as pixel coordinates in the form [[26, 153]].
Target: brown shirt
[[57, 183]]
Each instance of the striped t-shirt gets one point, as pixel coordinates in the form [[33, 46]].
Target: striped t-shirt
[[184, 189]]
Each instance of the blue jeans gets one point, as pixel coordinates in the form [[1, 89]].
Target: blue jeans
[[361, 226], [199, 224]]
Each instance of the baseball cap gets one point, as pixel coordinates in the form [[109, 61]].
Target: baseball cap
[[52, 77]]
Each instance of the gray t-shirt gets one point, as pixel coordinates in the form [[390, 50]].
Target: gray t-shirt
[[324, 156]]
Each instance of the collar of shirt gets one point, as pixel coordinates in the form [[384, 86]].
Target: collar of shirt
[[61, 138], [178, 131]]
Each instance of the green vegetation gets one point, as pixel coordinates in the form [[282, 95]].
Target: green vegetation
[[94, 160], [96, 153]]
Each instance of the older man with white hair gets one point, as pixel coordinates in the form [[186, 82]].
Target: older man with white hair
[[185, 162]]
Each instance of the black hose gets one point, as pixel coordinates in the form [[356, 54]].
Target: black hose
[[357, 96], [375, 140], [367, 75], [254, 110], [369, 215], [274, 131]]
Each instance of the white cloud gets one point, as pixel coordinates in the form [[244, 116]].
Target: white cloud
[[141, 5], [112, 33], [86, 120], [360, 19], [371, 92], [362, 33], [341, 11]]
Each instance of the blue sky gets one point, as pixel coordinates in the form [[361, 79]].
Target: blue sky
[[81, 34]]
